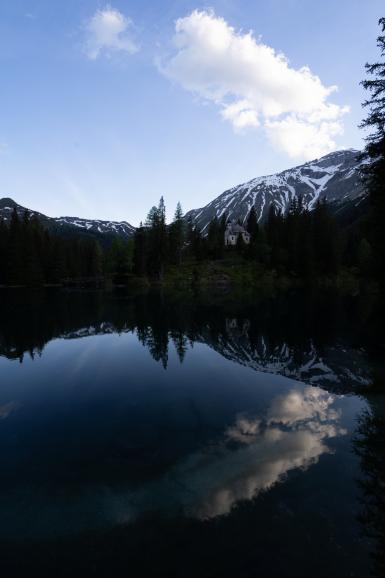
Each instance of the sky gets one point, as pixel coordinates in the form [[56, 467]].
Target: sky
[[104, 107]]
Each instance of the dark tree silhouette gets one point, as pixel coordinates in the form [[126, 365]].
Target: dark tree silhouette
[[374, 153]]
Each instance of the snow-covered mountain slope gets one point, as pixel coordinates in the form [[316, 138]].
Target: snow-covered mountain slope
[[338, 367], [119, 228], [70, 225], [333, 177]]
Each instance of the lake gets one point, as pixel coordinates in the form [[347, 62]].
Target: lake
[[181, 435]]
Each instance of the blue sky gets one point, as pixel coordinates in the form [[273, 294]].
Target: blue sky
[[104, 107]]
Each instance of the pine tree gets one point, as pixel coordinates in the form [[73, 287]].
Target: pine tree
[[274, 236], [365, 257], [327, 242], [195, 242], [262, 248], [57, 268], [241, 245], [292, 225], [252, 224], [38, 252], [221, 236], [213, 238], [374, 154], [177, 236], [73, 259], [305, 260], [94, 254], [3, 251], [140, 251], [157, 240], [14, 264], [119, 263]]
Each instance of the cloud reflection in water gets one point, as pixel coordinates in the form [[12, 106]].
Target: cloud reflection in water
[[254, 454]]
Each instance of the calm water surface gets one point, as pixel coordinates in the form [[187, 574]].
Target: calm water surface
[[179, 435]]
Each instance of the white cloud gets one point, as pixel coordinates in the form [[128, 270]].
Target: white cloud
[[241, 114], [108, 31], [254, 86], [301, 138]]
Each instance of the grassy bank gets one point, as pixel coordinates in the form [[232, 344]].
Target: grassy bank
[[240, 273]]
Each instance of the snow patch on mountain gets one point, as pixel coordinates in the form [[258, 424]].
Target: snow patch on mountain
[[69, 224], [334, 178]]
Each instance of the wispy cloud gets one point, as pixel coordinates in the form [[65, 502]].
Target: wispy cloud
[[254, 86], [108, 31]]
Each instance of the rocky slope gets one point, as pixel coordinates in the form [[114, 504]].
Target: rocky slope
[[333, 177]]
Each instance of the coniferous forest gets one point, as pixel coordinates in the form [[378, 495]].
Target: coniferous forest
[[30, 255], [302, 244]]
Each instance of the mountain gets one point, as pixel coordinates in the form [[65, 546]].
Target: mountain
[[334, 177], [68, 226]]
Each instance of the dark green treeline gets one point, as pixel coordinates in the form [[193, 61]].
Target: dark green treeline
[[302, 243], [30, 255]]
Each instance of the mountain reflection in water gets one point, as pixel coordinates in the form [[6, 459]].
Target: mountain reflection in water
[[211, 432], [318, 339]]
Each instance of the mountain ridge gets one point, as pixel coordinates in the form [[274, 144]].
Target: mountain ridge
[[66, 226], [334, 177]]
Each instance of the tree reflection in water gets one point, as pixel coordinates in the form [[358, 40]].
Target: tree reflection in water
[[321, 339], [369, 444]]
